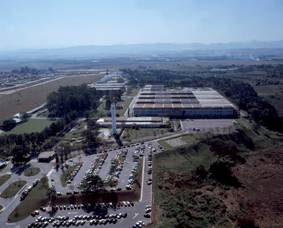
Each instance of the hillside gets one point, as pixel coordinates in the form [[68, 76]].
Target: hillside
[[221, 180]]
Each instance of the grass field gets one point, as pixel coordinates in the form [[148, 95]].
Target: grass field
[[126, 103], [12, 189], [134, 134], [32, 97], [4, 178], [31, 171], [32, 125], [36, 198]]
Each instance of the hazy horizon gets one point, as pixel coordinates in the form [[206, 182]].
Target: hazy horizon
[[66, 23]]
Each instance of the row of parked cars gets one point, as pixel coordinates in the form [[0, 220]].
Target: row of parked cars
[[132, 177], [116, 167], [26, 192], [77, 220], [95, 166], [74, 173], [147, 213], [138, 224]]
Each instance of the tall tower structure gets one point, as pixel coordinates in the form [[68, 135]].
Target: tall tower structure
[[113, 115]]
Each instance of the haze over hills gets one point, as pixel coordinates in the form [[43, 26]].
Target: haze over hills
[[139, 50]]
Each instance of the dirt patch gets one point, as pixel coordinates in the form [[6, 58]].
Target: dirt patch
[[261, 195]]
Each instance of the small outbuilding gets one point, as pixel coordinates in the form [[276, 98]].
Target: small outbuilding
[[46, 156]]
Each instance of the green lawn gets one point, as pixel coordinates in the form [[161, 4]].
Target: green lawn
[[126, 102], [31, 171], [32, 125], [36, 198], [12, 189], [134, 134], [133, 91], [4, 178]]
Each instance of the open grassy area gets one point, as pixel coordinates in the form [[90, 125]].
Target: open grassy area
[[29, 98], [12, 189], [4, 178], [36, 198], [126, 102], [32, 125], [134, 134], [67, 173], [75, 136], [31, 171], [180, 141]]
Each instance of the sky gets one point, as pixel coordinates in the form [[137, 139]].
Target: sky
[[64, 23]]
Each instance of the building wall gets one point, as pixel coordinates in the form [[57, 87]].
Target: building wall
[[226, 112]]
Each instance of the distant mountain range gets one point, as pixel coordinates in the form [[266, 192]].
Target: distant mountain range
[[155, 49]]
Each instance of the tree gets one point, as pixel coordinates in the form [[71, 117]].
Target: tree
[[91, 135], [92, 183], [221, 172], [20, 154], [8, 125]]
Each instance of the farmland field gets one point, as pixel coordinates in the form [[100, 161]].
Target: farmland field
[[29, 98]]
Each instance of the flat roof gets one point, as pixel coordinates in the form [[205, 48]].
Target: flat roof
[[132, 119], [182, 98], [46, 154]]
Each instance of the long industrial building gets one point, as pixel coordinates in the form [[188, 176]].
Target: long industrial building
[[109, 83], [155, 100], [143, 122]]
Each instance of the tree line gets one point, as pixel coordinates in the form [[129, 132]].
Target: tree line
[[72, 99]]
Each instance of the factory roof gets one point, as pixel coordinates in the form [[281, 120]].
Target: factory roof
[[182, 98]]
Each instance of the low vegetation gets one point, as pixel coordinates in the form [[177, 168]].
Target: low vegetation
[[36, 198], [131, 134], [31, 171], [4, 178], [13, 189], [194, 182]]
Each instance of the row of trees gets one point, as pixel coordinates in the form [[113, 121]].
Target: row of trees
[[72, 99]]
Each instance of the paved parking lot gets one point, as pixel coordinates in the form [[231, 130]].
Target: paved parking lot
[[134, 213]]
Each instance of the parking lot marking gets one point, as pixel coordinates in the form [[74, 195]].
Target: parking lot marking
[[72, 213], [141, 194], [136, 214]]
